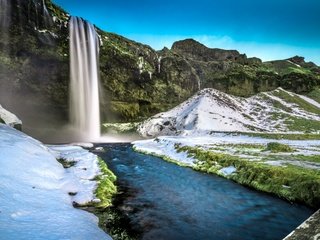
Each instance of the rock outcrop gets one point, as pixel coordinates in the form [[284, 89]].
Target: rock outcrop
[[10, 119]]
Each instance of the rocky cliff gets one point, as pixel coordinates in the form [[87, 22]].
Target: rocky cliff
[[136, 80], [34, 62]]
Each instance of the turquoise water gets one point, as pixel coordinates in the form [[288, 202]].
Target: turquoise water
[[165, 201]]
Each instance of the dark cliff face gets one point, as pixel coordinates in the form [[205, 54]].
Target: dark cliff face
[[234, 73], [136, 81], [33, 64]]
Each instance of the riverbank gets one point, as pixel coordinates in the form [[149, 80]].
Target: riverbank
[[309, 229], [105, 189], [34, 185], [289, 169]]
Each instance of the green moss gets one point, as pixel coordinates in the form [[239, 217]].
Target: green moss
[[315, 94], [276, 147], [291, 183], [299, 70], [120, 127], [116, 224], [106, 185], [57, 11], [127, 110], [284, 67]]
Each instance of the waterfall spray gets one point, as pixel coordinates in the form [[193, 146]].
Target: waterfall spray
[[84, 79]]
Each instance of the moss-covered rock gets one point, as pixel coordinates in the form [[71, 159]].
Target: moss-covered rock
[[136, 80], [106, 186], [276, 147]]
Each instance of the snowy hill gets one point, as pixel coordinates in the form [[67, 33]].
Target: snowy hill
[[35, 190], [211, 110]]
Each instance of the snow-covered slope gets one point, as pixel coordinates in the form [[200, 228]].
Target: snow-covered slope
[[34, 190], [9, 118], [212, 110]]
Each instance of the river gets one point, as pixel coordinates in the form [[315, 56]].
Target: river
[[167, 201]]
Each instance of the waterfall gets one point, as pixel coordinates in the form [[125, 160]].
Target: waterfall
[[5, 20], [48, 22], [84, 80], [5, 12]]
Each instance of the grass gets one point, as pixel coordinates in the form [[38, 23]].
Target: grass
[[300, 70], [315, 95], [106, 185], [306, 136], [298, 101], [276, 147], [302, 124], [311, 158], [244, 146], [292, 183]]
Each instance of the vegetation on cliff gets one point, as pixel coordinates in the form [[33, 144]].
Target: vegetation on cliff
[[137, 81]]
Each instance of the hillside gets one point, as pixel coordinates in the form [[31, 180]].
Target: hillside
[[38, 181], [213, 111], [137, 81]]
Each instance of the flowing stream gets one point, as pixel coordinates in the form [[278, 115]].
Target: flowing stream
[[84, 79], [171, 202]]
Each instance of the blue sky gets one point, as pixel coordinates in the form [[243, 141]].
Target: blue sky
[[269, 29]]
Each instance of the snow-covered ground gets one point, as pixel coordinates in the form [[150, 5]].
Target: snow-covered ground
[[213, 111], [231, 144], [34, 190], [9, 118]]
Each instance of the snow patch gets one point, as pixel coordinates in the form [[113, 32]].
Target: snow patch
[[34, 188], [227, 170], [166, 146], [162, 147], [213, 111]]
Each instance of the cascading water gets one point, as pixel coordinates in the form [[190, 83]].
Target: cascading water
[[84, 79], [5, 11], [48, 22], [5, 20]]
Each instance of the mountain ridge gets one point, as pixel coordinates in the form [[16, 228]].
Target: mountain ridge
[[136, 80]]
